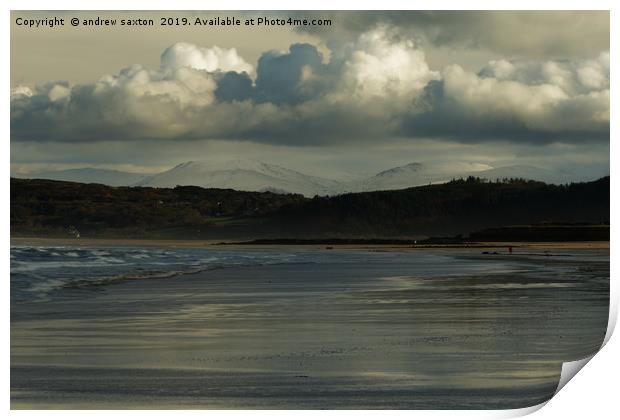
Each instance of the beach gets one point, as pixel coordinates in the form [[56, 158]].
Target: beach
[[286, 327], [228, 244]]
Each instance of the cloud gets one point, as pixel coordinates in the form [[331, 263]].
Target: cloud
[[183, 54], [521, 101], [21, 91], [283, 77], [534, 34], [378, 86], [233, 86], [576, 76], [380, 66]]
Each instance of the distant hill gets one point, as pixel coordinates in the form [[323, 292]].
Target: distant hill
[[90, 175], [525, 172], [406, 176], [54, 208], [416, 174]]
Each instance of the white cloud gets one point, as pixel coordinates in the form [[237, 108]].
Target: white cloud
[[381, 67], [21, 91], [551, 96], [59, 93], [491, 98], [594, 74], [572, 76], [183, 54]]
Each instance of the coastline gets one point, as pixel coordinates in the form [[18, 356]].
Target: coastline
[[222, 244]]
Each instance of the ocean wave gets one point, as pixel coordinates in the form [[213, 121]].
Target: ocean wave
[[40, 272]]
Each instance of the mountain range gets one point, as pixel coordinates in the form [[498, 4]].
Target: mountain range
[[252, 175], [242, 175]]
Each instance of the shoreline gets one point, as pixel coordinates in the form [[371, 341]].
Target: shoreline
[[222, 244]]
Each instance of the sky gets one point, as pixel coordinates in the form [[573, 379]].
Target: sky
[[371, 91]]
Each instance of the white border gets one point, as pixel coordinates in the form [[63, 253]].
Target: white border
[[592, 394]]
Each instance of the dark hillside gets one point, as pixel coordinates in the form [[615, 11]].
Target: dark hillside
[[51, 208], [56, 208], [457, 207]]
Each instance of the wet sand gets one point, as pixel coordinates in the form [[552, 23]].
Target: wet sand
[[380, 332], [224, 244]]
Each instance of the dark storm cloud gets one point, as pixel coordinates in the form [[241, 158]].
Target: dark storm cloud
[[233, 86], [279, 76], [288, 78]]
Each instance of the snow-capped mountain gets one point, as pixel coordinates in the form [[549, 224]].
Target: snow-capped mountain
[[89, 175], [251, 175], [416, 174], [243, 175], [410, 175]]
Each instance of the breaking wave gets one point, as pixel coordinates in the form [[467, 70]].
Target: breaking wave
[[39, 272]]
